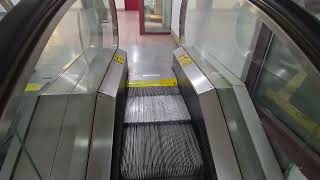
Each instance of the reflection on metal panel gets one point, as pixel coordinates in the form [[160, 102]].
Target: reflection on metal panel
[[22, 118], [73, 148], [204, 106], [103, 155], [193, 73], [255, 156], [43, 136], [71, 64]]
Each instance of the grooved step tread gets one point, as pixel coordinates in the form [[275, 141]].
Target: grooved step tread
[[146, 109], [160, 151]]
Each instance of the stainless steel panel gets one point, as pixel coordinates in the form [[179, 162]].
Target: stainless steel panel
[[205, 110], [99, 165], [93, 77], [223, 154], [72, 151], [106, 120], [66, 82], [43, 136], [254, 153], [260, 141], [246, 153], [199, 81], [22, 118], [218, 75], [66, 135], [74, 141], [28, 167], [113, 77], [224, 82]]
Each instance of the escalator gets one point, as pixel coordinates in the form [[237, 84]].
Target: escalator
[[229, 103], [159, 140]]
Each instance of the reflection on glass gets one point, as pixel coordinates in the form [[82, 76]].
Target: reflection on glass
[[312, 6], [222, 30], [289, 87], [157, 16], [84, 31]]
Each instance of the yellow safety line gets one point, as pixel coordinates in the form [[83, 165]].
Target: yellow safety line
[[153, 83], [33, 87], [298, 116], [282, 99]]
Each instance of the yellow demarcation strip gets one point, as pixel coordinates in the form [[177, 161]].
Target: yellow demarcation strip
[[298, 116], [119, 59], [282, 99], [153, 83], [185, 59], [33, 87]]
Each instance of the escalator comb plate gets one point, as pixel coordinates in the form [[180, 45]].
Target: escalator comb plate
[[160, 151], [153, 91]]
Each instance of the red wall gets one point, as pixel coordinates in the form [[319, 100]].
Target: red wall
[[131, 5]]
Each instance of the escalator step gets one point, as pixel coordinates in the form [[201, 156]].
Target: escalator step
[[153, 109], [160, 151], [153, 91]]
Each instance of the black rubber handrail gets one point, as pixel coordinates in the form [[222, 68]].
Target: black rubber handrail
[[20, 31], [302, 27]]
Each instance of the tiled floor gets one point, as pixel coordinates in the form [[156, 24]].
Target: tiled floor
[[149, 56], [129, 32]]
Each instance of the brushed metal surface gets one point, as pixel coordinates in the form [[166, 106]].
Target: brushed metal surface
[[73, 148], [104, 157], [66, 131], [206, 113], [260, 141], [22, 119], [74, 142], [193, 74], [99, 165], [223, 154], [43, 136], [113, 77], [253, 150], [217, 74], [93, 77], [68, 80]]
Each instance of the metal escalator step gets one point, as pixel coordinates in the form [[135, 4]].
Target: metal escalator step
[[153, 91], [160, 151], [153, 109]]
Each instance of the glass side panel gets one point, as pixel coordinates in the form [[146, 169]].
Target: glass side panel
[[289, 87], [312, 6], [77, 54], [225, 34], [222, 30], [157, 15]]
